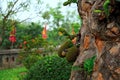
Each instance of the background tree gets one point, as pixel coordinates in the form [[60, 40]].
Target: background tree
[[10, 9], [100, 36], [55, 15]]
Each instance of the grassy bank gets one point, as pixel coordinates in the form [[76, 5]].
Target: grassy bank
[[12, 74]]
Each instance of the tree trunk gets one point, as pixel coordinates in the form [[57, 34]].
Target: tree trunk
[[100, 36]]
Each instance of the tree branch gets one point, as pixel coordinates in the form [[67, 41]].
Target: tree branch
[[11, 10]]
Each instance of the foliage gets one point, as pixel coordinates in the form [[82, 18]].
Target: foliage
[[106, 7], [12, 74], [50, 68], [54, 38], [28, 31], [66, 34], [37, 42], [58, 35], [55, 15], [30, 60], [5, 39], [98, 11], [63, 31], [30, 42], [11, 9], [24, 32], [69, 2], [88, 64], [56, 18], [46, 15], [76, 26], [32, 51]]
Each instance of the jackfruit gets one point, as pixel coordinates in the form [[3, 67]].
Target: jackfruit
[[64, 47], [63, 53], [72, 54]]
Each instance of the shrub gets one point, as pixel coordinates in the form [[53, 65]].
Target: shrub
[[30, 60], [50, 68]]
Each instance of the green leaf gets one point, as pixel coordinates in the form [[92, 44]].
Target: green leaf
[[105, 6], [88, 64], [69, 2], [66, 3], [74, 1], [98, 11]]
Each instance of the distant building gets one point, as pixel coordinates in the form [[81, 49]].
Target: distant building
[[8, 58]]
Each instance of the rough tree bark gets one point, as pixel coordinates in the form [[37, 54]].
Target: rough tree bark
[[100, 36]]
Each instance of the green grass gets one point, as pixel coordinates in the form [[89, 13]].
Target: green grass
[[12, 74]]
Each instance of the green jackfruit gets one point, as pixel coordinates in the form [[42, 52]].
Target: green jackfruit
[[72, 54], [63, 48]]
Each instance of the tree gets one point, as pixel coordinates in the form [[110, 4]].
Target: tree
[[54, 14], [11, 8], [100, 36]]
